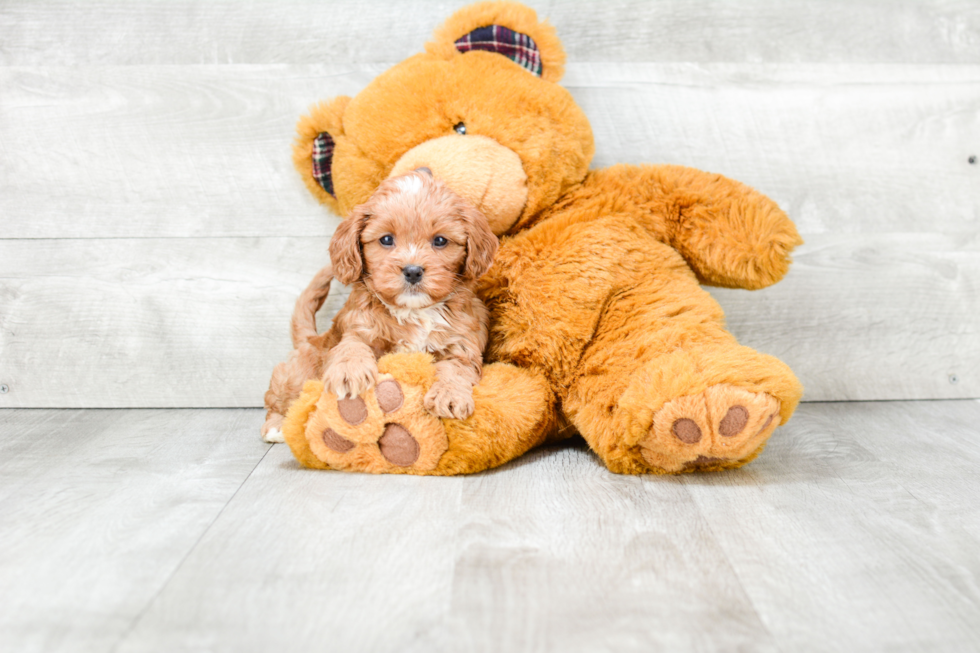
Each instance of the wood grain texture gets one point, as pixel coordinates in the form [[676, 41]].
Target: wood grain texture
[[842, 149], [201, 322], [153, 234], [99, 508], [857, 529], [350, 563], [177, 151], [582, 560], [196, 32], [517, 560], [893, 316], [158, 151], [851, 513], [178, 322]]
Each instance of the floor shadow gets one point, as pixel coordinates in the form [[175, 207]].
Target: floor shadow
[[805, 450]]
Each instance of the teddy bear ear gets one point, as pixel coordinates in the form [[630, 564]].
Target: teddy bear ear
[[507, 28], [317, 134]]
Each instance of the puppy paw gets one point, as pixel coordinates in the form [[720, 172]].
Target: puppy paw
[[272, 429], [350, 378], [449, 401], [274, 436]]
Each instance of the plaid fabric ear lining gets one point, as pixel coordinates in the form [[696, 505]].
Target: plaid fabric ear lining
[[322, 160], [519, 48]]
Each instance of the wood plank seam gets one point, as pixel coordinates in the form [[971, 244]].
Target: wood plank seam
[[135, 621]]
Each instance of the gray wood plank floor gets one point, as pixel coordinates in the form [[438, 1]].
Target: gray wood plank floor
[[168, 530]]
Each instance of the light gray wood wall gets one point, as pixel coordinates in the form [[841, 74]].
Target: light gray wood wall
[[153, 234], [100, 32]]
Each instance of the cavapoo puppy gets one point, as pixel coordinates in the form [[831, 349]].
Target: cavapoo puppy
[[411, 254]]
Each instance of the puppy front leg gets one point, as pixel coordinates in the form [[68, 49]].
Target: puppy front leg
[[351, 367], [452, 393]]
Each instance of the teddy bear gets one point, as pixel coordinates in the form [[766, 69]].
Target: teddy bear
[[599, 325]]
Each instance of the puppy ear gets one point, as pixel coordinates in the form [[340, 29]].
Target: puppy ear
[[345, 248], [481, 244]]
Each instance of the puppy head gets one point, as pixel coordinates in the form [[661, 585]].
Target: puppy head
[[413, 242]]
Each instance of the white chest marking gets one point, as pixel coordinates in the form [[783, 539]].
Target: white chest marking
[[425, 320]]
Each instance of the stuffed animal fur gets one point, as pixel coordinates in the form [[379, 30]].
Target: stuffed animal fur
[[599, 325]]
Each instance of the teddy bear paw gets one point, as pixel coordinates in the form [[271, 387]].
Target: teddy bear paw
[[722, 427], [384, 430]]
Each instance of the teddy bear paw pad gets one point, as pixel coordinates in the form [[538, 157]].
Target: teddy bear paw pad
[[398, 446], [384, 430], [710, 430]]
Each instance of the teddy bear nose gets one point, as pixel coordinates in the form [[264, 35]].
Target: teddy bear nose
[[412, 273]]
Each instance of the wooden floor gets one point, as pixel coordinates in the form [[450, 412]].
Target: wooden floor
[[173, 530]]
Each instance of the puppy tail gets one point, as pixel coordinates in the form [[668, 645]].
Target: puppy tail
[[303, 325]]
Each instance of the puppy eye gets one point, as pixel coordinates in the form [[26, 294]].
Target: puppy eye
[[387, 240], [439, 242], [460, 128]]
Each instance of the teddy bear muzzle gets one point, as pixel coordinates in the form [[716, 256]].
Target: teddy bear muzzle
[[478, 168]]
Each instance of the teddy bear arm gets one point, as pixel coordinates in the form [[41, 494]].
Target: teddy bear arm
[[730, 234]]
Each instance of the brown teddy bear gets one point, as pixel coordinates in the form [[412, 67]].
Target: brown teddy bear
[[599, 325]]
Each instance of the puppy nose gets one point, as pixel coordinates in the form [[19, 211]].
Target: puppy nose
[[412, 273]]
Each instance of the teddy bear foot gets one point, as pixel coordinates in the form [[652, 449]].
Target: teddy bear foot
[[381, 431], [723, 427]]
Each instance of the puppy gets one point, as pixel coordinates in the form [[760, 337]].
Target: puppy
[[412, 255]]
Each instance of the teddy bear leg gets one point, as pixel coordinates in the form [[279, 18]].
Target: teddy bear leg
[[664, 388], [387, 430]]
